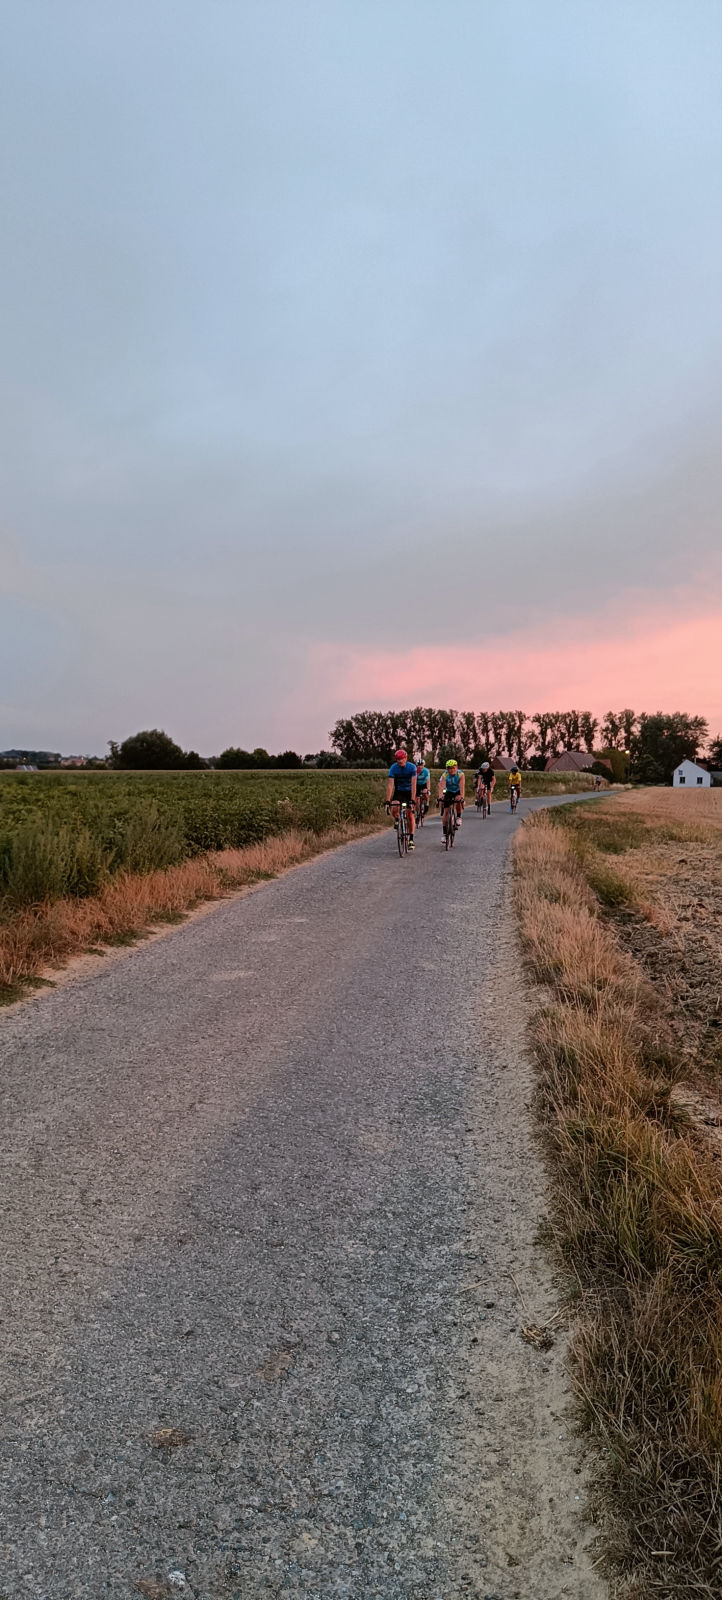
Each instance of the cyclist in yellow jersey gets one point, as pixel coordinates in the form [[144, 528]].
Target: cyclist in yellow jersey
[[514, 781]]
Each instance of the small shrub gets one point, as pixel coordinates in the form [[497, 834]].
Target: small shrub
[[45, 863], [146, 840], [612, 888]]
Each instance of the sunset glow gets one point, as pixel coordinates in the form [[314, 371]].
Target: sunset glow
[[670, 666]]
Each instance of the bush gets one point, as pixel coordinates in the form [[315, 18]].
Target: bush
[[235, 759], [146, 841], [45, 863]]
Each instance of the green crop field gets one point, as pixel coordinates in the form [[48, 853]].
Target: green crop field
[[66, 834]]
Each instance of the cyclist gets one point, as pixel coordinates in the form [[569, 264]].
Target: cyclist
[[485, 777], [514, 781], [402, 786], [451, 789], [423, 785]]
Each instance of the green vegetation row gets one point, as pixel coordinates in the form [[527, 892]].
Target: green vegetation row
[[67, 834]]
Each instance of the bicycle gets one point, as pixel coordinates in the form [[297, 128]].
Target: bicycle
[[479, 797], [402, 828], [485, 801], [514, 797], [450, 823], [421, 810]]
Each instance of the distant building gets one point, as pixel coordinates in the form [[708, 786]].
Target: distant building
[[577, 761], [696, 775], [503, 763]]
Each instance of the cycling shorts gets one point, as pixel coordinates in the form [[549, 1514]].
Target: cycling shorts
[[449, 799], [401, 794], [486, 783]]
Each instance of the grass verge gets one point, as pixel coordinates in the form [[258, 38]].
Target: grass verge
[[38, 938], [637, 1207]]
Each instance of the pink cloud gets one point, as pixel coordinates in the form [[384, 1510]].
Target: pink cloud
[[669, 663]]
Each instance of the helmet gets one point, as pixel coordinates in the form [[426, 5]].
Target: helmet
[[401, 755], [484, 764], [419, 761], [452, 763]]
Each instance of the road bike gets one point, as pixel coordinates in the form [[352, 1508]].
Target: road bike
[[514, 797], [403, 830], [422, 807], [485, 806], [450, 823]]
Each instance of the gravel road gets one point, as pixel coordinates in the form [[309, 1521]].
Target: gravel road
[[269, 1184]]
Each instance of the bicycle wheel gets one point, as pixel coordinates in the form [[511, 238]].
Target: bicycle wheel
[[446, 824], [401, 831]]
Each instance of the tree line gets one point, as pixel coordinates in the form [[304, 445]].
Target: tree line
[[152, 749], [650, 745], [655, 743]]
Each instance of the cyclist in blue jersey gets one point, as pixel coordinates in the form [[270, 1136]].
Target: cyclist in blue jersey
[[423, 785], [402, 786], [452, 784]]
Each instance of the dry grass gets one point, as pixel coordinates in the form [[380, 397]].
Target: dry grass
[[638, 1196], [34, 940], [694, 810]]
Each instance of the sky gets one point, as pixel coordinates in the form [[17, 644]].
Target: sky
[[356, 353]]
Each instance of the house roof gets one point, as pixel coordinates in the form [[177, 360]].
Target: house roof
[[575, 761]]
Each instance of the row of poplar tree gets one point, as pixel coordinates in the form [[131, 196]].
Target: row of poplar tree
[[373, 736]]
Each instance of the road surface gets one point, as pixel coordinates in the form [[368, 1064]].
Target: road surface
[[270, 1185]]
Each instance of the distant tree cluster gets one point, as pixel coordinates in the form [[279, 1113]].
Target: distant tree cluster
[[660, 742], [152, 750], [30, 758], [655, 743], [155, 750], [235, 758]]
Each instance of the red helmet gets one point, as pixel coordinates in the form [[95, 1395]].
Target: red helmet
[[401, 755]]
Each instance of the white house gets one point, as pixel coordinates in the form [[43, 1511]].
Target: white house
[[692, 775]]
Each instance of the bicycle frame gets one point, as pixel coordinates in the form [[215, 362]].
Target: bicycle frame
[[403, 831], [449, 823]]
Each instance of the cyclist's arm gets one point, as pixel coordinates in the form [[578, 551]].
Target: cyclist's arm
[[413, 789], [462, 784], [389, 789]]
